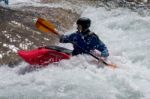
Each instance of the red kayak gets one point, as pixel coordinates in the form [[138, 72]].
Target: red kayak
[[45, 55]]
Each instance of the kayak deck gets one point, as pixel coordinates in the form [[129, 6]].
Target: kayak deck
[[46, 55]]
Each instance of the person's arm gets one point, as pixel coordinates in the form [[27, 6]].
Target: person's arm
[[99, 45], [66, 38]]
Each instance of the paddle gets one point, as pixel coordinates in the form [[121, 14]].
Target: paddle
[[48, 27]]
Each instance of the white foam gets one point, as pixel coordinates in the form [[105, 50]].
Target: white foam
[[14, 2], [127, 36]]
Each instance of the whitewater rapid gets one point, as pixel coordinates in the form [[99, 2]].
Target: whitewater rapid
[[126, 34]]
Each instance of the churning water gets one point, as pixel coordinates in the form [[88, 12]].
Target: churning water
[[126, 34]]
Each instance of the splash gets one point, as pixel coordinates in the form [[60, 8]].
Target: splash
[[126, 34]]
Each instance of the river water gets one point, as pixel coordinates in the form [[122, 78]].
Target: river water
[[126, 33]]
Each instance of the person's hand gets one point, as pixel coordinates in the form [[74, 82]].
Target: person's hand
[[102, 59]]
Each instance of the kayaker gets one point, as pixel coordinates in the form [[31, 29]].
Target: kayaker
[[84, 40]]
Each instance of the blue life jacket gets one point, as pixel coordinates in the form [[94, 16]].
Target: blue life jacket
[[85, 42]]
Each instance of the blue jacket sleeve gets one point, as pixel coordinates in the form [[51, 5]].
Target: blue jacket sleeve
[[68, 38], [99, 45]]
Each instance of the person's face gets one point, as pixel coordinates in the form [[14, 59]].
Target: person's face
[[79, 27]]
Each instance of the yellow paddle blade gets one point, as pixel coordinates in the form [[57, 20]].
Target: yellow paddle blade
[[46, 26], [42, 28]]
